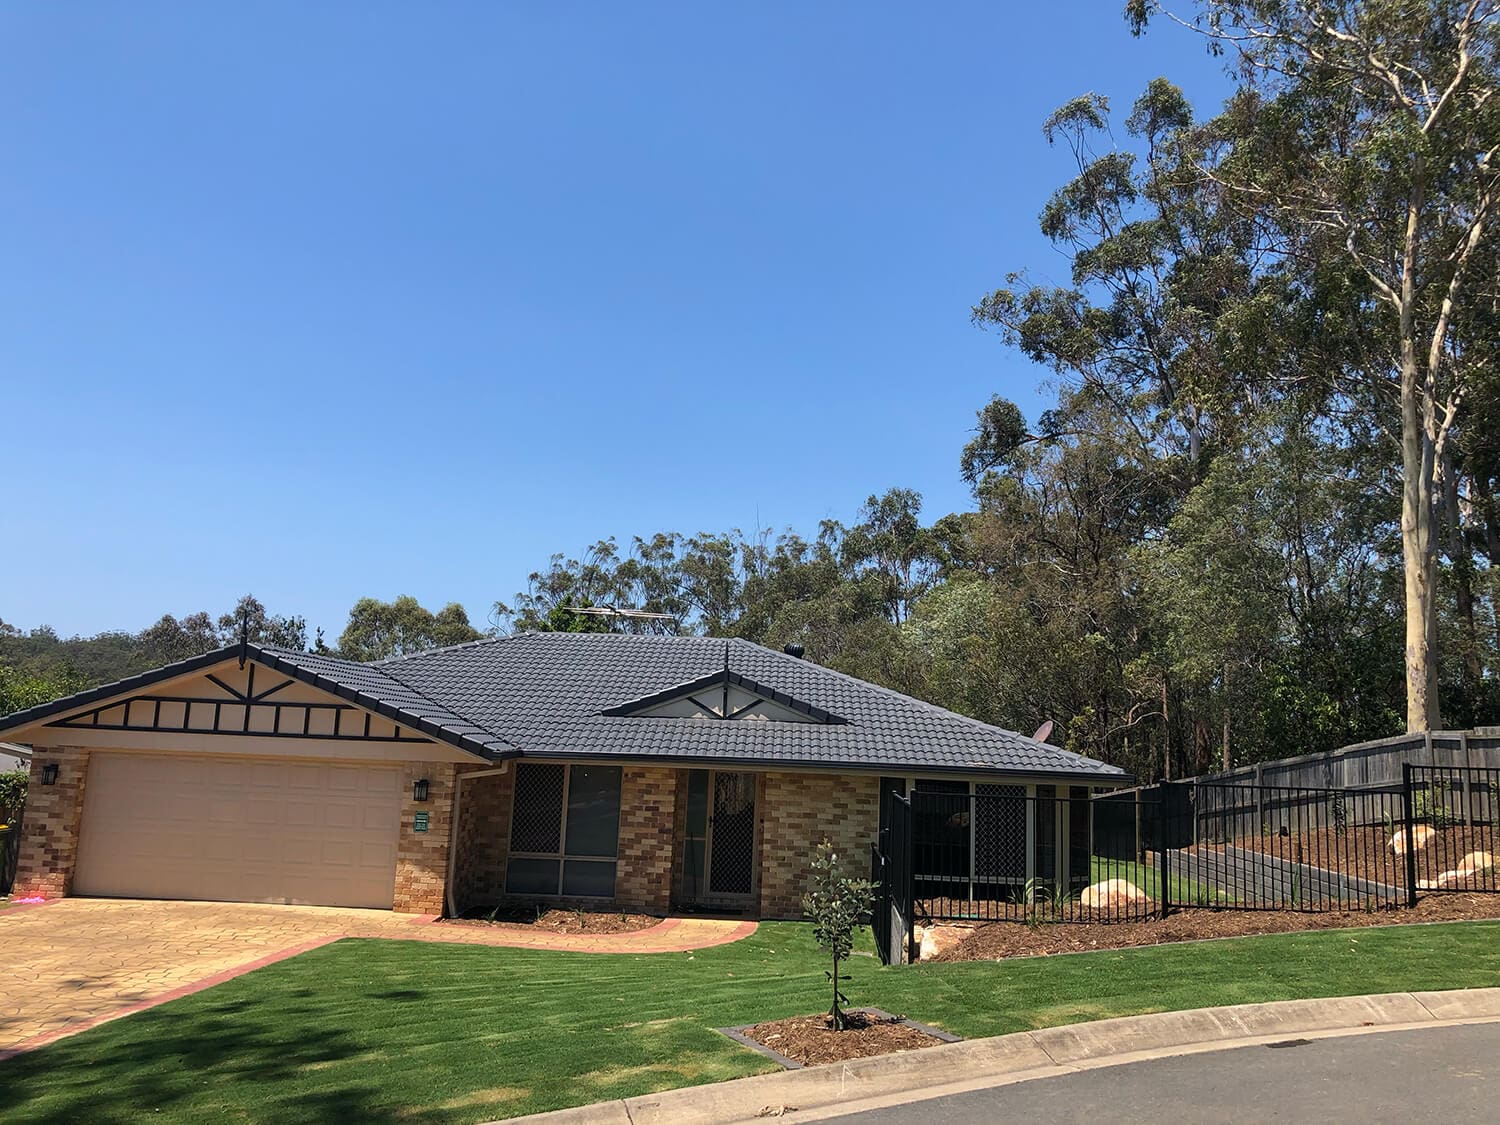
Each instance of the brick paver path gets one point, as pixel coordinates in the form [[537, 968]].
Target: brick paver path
[[77, 962]]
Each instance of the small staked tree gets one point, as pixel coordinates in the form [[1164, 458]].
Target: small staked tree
[[836, 903]]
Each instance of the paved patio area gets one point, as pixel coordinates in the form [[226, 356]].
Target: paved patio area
[[77, 962]]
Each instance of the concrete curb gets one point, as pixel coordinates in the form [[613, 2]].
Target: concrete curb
[[816, 1093]]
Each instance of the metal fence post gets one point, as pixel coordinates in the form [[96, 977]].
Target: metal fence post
[[1260, 798], [1163, 850], [1140, 853], [1463, 749], [1409, 816]]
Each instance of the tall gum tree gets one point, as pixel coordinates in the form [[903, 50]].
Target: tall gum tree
[[1370, 129]]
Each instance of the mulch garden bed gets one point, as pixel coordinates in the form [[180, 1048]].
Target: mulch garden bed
[[557, 921], [811, 1040], [999, 940], [1365, 852]]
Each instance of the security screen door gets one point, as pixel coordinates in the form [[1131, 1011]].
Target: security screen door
[[719, 861]]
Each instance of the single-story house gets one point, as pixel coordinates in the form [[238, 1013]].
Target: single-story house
[[639, 772]]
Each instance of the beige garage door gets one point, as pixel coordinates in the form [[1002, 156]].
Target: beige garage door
[[239, 830]]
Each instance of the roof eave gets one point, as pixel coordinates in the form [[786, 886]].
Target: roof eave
[[487, 751], [894, 769]]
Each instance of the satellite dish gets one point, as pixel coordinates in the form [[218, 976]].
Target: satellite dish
[[1043, 731]]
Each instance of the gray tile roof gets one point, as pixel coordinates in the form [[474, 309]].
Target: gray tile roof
[[373, 687], [544, 693]]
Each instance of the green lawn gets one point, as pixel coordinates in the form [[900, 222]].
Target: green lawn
[[391, 1030]]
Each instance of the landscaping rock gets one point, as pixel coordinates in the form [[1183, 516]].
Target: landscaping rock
[[1468, 873], [1420, 834], [939, 939], [1111, 893], [1476, 863]]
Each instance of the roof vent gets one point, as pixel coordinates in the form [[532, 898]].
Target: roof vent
[[794, 649]]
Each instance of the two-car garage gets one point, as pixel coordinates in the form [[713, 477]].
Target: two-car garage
[[239, 829]]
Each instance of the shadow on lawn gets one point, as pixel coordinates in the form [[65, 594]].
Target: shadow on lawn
[[172, 1066]]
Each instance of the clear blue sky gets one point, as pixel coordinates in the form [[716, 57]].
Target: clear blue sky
[[340, 299]]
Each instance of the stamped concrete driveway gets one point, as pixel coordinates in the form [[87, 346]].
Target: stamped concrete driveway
[[76, 962]]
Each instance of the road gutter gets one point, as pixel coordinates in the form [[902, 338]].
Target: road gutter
[[818, 1093]]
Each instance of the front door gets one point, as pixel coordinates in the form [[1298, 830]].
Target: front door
[[719, 849]]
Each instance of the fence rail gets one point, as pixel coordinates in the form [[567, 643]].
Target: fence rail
[[1006, 853], [1372, 765]]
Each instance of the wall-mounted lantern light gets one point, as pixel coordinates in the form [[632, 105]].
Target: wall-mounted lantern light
[[419, 790], [49, 774]]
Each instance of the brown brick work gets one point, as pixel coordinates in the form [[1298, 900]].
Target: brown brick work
[[679, 833], [422, 857], [797, 812], [643, 876], [49, 830], [484, 839]]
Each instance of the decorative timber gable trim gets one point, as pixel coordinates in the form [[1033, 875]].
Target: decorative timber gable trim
[[724, 695], [212, 704], [302, 695]]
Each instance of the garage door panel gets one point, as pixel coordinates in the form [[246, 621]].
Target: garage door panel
[[263, 812], [305, 777], [375, 856], [339, 813], [239, 830]]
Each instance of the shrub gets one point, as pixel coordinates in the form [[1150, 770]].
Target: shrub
[[836, 904], [1429, 808], [12, 794]]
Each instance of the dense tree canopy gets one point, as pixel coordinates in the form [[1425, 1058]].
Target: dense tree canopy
[[380, 629], [1260, 516]]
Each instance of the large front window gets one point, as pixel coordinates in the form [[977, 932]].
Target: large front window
[[564, 831]]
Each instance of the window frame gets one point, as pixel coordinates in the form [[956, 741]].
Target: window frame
[[561, 857]]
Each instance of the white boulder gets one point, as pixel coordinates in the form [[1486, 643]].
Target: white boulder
[[1469, 872], [1111, 893], [933, 940], [1421, 834]]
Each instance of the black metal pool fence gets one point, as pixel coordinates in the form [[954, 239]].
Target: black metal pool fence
[[992, 853]]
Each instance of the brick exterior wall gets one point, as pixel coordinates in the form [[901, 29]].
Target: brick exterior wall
[[422, 857], [644, 872], [484, 839], [679, 832], [797, 812], [49, 827]]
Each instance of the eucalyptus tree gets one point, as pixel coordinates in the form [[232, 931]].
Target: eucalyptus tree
[[1154, 262], [378, 629], [1370, 129]]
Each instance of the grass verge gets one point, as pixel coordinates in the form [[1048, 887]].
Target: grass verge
[[387, 1031]]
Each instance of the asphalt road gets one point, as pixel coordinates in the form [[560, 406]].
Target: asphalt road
[[1446, 1074]]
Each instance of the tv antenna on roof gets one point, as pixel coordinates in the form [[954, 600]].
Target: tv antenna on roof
[[1043, 731], [616, 611]]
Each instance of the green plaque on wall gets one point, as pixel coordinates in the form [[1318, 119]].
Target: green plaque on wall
[[421, 822]]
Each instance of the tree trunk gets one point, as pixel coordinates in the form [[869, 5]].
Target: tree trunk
[[1457, 547], [1418, 555], [835, 1012], [1166, 733], [1224, 748], [1420, 574]]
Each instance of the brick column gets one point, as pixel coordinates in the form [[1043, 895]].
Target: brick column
[[643, 876], [800, 811], [422, 857], [49, 826]]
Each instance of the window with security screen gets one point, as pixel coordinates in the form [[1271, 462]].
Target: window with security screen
[[565, 831]]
